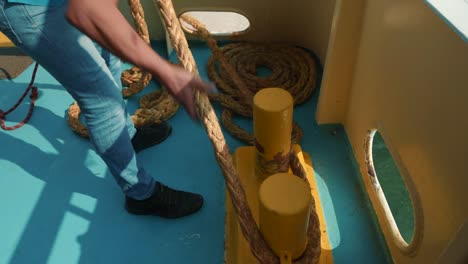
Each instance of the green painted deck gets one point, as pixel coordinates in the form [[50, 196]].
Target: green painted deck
[[59, 204]]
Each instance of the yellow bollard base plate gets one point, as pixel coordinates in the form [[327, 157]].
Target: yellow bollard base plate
[[5, 42], [237, 250]]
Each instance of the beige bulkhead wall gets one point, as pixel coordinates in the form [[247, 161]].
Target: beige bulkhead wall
[[409, 80], [306, 23], [341, 56]]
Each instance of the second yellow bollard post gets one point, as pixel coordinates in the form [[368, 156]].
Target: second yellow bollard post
[[284, 214]]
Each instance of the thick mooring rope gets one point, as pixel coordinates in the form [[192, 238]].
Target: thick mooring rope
[[233, 69], [136, 79], [258, 246], [160, 106], [155, 106]]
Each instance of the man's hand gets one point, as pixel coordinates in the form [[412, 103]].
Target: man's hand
[[181, 84]]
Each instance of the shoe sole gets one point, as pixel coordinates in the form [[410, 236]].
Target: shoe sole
[[144, 212]]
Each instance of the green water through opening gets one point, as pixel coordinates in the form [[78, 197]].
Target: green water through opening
[[393, 187]]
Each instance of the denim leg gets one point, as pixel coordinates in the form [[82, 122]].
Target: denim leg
[[73, 59], [115, 66]]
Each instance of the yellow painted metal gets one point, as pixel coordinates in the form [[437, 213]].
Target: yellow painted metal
[[340, 60], [406, 72], [237, 250], [5, 42], [272, 118], [284, 214]]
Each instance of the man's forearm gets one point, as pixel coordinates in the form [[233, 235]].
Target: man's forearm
[[103, 22]]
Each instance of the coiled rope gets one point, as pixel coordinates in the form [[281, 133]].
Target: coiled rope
[[249, 228], [154, 107], [233, 69]]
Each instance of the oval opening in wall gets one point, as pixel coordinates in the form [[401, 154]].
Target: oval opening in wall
[[393, 194], [218, 23]]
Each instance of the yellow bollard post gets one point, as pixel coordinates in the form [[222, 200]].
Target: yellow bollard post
[[272, 118], [284, 214], [279, 201]]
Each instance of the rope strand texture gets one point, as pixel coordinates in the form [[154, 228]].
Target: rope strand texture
[[233, 68], [249, 228]]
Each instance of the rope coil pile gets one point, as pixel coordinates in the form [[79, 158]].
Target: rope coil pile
[[233, 68], [155, 107]]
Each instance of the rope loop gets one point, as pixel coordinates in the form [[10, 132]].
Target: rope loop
[[233, 68], [155, 107], [33, 96]]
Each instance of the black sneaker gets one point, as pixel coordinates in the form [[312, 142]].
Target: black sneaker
[[165, 202], [150, 135]]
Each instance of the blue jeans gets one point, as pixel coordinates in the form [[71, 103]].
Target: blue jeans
[[92, 77]]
